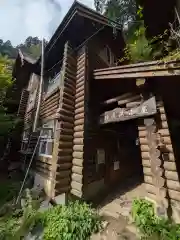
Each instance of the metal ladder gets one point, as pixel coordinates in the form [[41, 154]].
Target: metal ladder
[[32, 157]]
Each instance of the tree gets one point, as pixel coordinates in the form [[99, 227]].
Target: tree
[[100, 5], [5, 76], [123, 11], [6, 120]]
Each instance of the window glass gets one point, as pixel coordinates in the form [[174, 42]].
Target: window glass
[[53, 82], [47, 139], [25, 139], [107, 55], [49, 147], [43, 147]]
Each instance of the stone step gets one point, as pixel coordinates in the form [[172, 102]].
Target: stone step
[[109, 213]]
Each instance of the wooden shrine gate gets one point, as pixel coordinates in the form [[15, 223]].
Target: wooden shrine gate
[[154, 139]]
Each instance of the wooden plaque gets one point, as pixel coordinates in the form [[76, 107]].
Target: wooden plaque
[[147, 108]]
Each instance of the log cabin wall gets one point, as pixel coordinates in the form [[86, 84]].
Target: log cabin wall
[[161, 175], [95, 139], [63, 143], [42, 165], [48, 108], [169, 119], [80, 123], [86, 180]]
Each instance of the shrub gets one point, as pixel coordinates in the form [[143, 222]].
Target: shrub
[[152, 226], [75, 221]]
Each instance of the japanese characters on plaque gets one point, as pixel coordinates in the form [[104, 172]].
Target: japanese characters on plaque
[[147, 108]]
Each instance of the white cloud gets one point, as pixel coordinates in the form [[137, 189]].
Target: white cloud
[[22, 18]]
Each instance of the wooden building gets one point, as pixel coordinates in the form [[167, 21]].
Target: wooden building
[[108, 122]]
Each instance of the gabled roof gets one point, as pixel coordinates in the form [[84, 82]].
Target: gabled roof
[[23, 60], [84, 11], [24, 56]]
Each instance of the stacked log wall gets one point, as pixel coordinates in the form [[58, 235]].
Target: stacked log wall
[[48, 109], [79, 124], [63, 144], [49, 106], [169, 165]]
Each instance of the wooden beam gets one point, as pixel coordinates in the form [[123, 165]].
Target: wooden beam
[[116, 99]]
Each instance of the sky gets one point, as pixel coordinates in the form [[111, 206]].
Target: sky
[[20, 19]]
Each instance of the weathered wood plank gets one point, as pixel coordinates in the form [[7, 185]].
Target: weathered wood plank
[[76, 177], [77, 169], [77, 186], [78, 148], [78, 162], [78, 155], [78, 141]]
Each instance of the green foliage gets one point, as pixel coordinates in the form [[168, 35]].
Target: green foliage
[[152, 226], [99, 5], [75, 221], [122, 11], [16, 224], [31, 46], [5, 76], [138, 48]]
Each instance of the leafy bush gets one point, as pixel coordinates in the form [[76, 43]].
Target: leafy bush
[[71, 222], [150, 225], [75, 221], [17, 222]]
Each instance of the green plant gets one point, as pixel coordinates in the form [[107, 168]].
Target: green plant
[[138, 48], [75, 221], [152, 226], [16, 223]]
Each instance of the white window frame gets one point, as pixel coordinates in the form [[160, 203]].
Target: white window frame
[[47, 138]]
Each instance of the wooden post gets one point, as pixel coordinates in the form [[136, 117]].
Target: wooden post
[[156, 166]]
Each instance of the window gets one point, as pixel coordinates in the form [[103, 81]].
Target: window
[[25, 139], [53, 82], [107, 55], [47, 139]]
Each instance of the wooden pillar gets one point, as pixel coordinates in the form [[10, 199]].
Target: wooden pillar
[[170, 164], [160, 174], [79, 123], [62, 152]]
